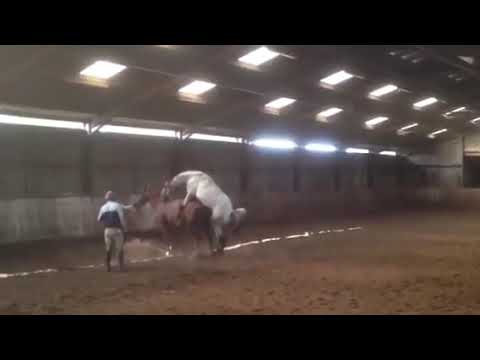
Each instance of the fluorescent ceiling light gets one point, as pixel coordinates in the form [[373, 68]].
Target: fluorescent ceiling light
[[435, 133], [408, 127], [448, 113], [384, 90], [318, 147], [207, 137], [20, 120], [388, 153], [279, 103], [459, 109], [103, 70], [197, 87], [468, 59], [356, 151], [275, 143], [337, 78], [330, 112], [475, 120], [375, 121], [128, 130], [259, 56], [425, 102]]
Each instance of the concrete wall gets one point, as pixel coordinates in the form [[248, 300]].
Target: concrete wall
[[449, 164], [36, 219], [447, 199], [449, 176], [472, 143], [52, 181], [442, 164]]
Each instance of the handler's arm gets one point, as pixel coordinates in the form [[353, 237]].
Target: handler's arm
[[129, 207]]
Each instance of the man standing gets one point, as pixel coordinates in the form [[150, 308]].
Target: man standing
[[112, 218]]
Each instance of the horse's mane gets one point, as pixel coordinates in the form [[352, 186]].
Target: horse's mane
[[156, 197]]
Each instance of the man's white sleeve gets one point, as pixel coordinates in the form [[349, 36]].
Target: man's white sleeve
[[122, 217], [129, 207], [100, 213]]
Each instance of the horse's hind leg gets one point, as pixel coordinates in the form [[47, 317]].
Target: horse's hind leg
[[196, 238], [168, 241], [166, 236], [222, 243], [210, 232], [194, 230]]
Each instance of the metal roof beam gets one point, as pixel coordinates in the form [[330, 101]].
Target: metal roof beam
[[11, 74], [449, 61]]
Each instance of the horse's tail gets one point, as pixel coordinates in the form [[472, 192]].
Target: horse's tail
[[237, 218]]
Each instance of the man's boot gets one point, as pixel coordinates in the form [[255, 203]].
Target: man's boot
[[107, 260], [121, 263]]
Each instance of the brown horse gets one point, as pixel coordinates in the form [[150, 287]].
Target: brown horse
[[195, 218]]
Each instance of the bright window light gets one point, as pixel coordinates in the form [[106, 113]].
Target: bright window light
[[475, 120], [20, 120], [318, 147], [388, 153], [103, 70], [375, 121], [438, 132], [279, 103], [259, 56], [425, 102], [207, 137], [387, 89], [337, 78], [356, 151], [330, 112], [411, 126], [197, 87], [275, 143], [128, 130]]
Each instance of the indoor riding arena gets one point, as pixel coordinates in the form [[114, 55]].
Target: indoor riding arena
[[358, 168]]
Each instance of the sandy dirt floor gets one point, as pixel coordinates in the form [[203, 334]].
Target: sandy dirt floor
[[407, 263]]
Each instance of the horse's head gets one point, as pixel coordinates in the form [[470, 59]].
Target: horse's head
[[165, 193], [143, 218], [144, 198], [149, 196]]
